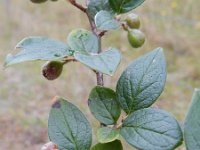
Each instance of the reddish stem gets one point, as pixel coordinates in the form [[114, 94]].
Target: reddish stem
[[73, 2]]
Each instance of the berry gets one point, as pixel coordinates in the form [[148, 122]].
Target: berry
[[38, 1], [133, 21], [136, 38], [52, 70]]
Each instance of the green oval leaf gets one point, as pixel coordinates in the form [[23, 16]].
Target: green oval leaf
[[103, 105], [94, 6], [123, 6], [142, 82], [68, 127], [81, 40], [115, 145], [106, 21], [192, 123], [105, 62], [38, 48], [151, 129], [106, 134]]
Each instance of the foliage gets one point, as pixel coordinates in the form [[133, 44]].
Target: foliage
[[192, 123], [139, 86]]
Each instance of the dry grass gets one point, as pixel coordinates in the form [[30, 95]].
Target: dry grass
[[25, 96]]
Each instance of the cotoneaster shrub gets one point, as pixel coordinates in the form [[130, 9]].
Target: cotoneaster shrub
[[139, 86]]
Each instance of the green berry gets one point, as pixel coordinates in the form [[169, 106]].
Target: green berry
[[52, 70], [136, 38], [133, 21], [38, 1]]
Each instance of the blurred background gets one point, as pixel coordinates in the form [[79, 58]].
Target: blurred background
[[25, 96]]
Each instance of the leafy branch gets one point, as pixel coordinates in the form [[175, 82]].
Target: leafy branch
[[98, 35], [137, 89]]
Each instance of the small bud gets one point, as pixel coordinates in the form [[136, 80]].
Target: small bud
[[118, 17], [38, 1], [124, 26], [52, 70], [49, 146], [136, 38], [133, 21]]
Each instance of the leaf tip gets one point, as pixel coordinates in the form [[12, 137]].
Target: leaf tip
[[7, 60], [159, 49], [20, 43], [197, 90], [196, 93], [56, 102]]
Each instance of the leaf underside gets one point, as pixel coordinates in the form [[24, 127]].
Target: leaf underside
[[106, 21], [95, 6], [105, 62], [38, 48], [83, 41]]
